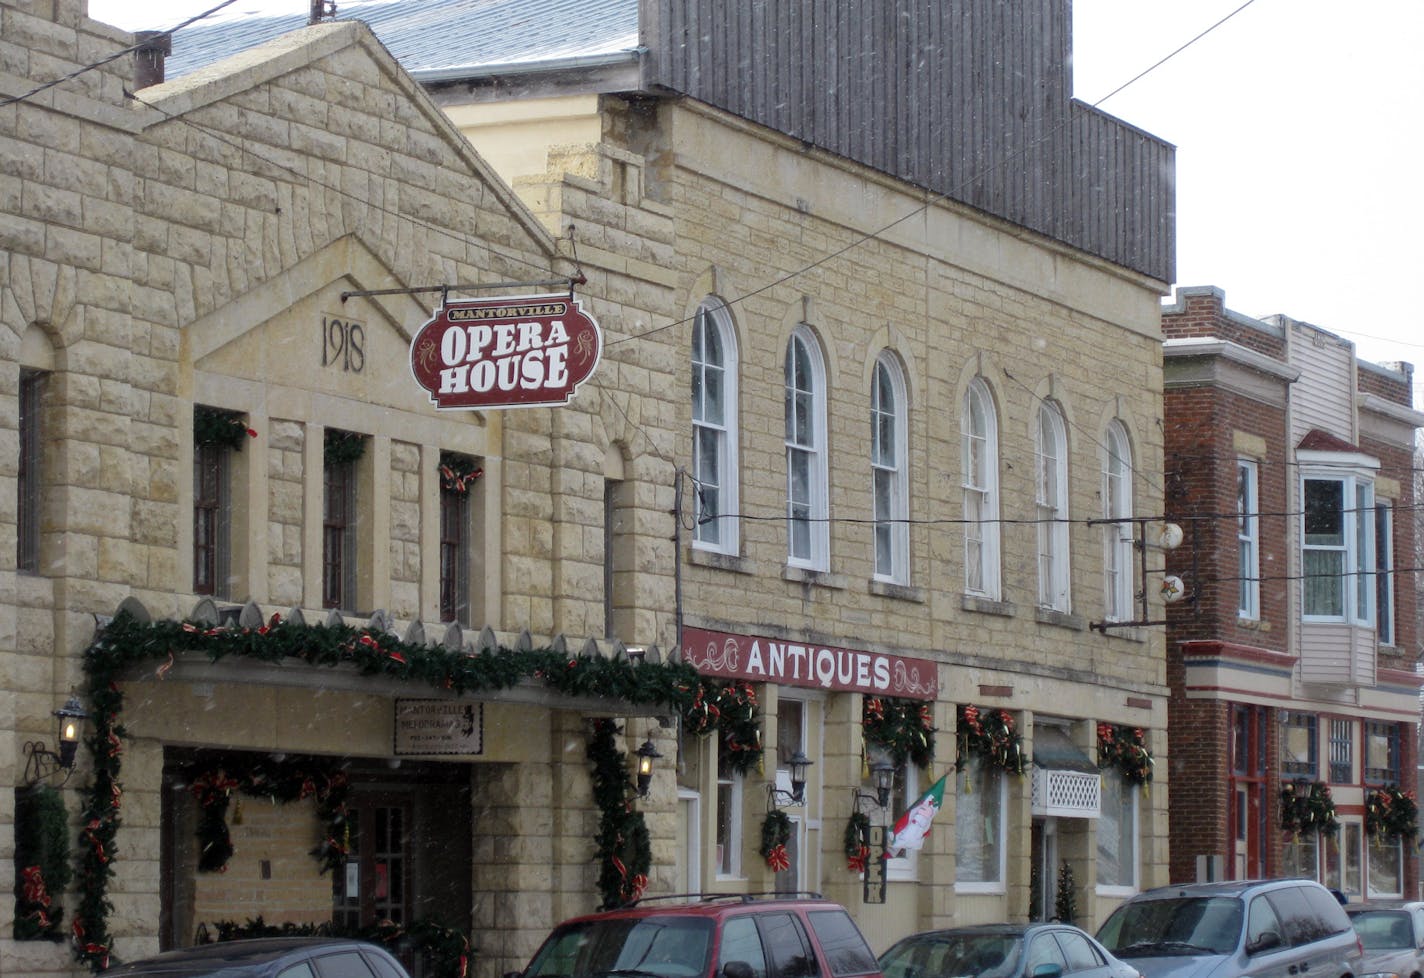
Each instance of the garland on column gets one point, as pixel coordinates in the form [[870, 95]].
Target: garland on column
[[729, 708], [989, 735], [905, 727], [125, 643], [775, 833], [1307, 807], [1125, 749], [624, 851], [1391, 813], [41, 863]]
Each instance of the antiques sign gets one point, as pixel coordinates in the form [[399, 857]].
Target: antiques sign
[[521, 351], [817, 666], [439, 727]]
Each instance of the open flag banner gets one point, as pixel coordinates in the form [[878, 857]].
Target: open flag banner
[[912, 827]]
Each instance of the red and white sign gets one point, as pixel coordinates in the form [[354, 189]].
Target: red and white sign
[[816, 666], [521, 351]]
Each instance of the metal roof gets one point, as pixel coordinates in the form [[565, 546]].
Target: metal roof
[[437, 38]]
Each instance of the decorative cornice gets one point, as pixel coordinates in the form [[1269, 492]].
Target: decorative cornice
[[1232, 353]]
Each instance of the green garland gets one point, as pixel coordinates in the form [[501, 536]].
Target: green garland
[[449, 949], [339, 447], [857, 851], [729, 708], [624, 850], [990, 735], [1391, 813], [1307, 807], [1125, 748], [214, 781], [225, 429], [125, 643], [41, 863], [903, 726]]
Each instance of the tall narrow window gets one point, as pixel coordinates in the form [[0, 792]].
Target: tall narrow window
[[1051, 505], [1118, 535], [1300, 751], [1384, 572], [1338, 549], [887, 466], [27, 556], [217, 437], [729, 814], [714, 428], [979, 827], [1117, 835], [1248, 541], [808, 536], [338, 578], [979, 435], [458, 476], [1382, 753], [1342, 751]]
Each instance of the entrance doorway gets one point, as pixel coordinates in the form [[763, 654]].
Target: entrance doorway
[[1043, 846]]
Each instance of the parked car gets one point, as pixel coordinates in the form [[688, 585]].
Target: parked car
[[1002, 951], [268, 957], [713, 936], [1234, 929], [1393, 938]]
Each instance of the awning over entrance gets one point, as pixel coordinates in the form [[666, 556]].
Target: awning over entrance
[[1066, 783]]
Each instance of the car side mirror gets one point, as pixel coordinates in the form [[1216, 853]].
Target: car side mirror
[[737, 969], [1266, 942], [1049, 969]]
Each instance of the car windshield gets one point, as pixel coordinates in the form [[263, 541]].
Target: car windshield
[[953, 956], [626, 947], [1383, 929], [1175, 926]]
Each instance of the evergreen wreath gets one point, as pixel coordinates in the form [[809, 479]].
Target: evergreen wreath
[[458, 473], [624, 850], [729, 708], [1391, 813], [340, 447], [990, 735], [905, 727], [1125, 748], [41, 863], [448, 948], [224, 429], [125, 642], [857, 851], [775, 833], [1307, 807]]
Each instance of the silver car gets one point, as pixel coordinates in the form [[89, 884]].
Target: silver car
[[1048, 950], [1393, 938]]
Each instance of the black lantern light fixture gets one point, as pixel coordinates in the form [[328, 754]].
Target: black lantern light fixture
[[42, 763], [646, 755], [883, 773], [796, 764]]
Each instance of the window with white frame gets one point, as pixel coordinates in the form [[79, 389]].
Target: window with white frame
[[1117, 535], [1051, 506], [1248, 540], [1117, 836], [808, 535], [979, 429], [979, 827], [1384, 571], [1384, 868], [729, 816], [791, 718], [903, 793], [714, 428], [1337, 548], [890, 480]]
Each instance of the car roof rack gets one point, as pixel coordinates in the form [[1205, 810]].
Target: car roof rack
[[730, 897]]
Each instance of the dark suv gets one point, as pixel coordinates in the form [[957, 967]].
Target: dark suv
[[1236, 929], [721, 936]]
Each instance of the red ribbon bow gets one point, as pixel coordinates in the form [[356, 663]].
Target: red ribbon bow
[[778, 860]]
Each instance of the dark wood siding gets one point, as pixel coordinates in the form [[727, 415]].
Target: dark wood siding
[[968, 98]]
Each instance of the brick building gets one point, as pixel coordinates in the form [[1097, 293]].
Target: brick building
[[1293, 676], [900, 496]]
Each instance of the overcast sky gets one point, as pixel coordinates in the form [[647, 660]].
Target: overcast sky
[[1299, 127]]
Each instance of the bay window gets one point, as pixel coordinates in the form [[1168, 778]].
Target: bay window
[[1338, 548]]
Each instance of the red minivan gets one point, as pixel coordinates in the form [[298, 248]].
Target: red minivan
[[714, 936]]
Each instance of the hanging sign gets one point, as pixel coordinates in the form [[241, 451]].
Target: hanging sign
[[519, 351]]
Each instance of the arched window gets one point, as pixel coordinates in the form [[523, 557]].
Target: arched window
[[808, 536], [979, 429], [890, 481], [1117, 536], [714, 428], [1051, 507]]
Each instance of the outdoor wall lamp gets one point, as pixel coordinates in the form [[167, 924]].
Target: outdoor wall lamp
[[797, 764], [41, 762], [884, 774], [646, 755]]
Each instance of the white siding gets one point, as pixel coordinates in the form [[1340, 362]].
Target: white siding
[[1337, 654], [1324, 396]]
